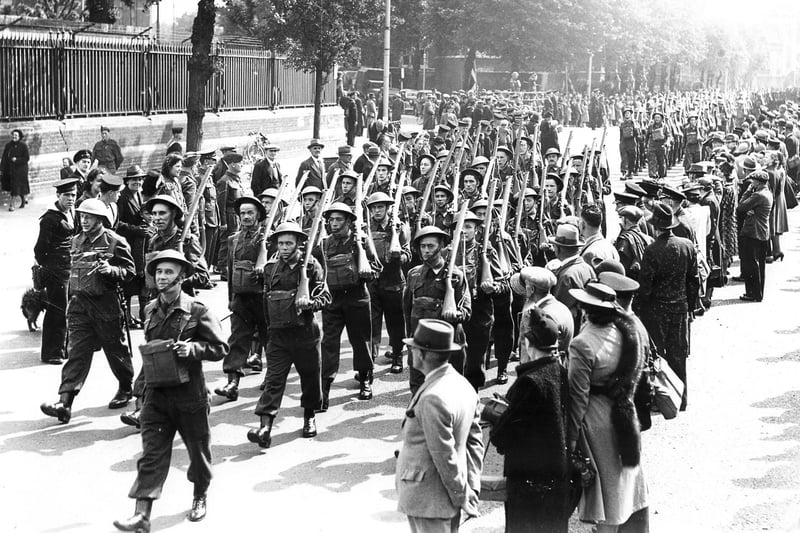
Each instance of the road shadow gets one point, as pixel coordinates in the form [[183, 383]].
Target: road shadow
[[728, 301], [46, 436], [790, 357], [334, 477], [785, 474]]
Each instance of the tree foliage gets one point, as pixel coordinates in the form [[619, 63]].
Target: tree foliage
[[52, 9]]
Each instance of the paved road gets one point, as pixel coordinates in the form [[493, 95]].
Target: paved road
[[730, 463]]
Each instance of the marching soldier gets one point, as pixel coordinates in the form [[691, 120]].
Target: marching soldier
[[442, 215], [100, 260], [693, 142], [425, 291], [310, 196], [349, 307], [347, 185], [182, 331], [471, 193], [382, 182], [386, 290], [294, 333], [628, 133], [478, 329], [229, 189], [658, 138], [245, 294], [52, 256], [166, 215]]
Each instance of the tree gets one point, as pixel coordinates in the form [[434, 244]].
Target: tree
[[314, 34], [101, 11], [53, 9], [201, 67]]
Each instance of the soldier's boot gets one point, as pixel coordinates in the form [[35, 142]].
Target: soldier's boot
[[231, 390], [309, 424], [121, 399], [263, 435], [397, 363], [254, 362], [198, 511], [62, 409], [132, 418], [326, 392], [140, 521], [365, 389]]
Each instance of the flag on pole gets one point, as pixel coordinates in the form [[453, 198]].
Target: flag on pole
[[470, 72]]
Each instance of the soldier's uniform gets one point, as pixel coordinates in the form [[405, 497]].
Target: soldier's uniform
[[93, 311], [294, 337], [177, 405], [229, 189], [628, 132], [386, 290], [52, 255], [245, 299], [349, 308], [693, 143], [657, 137], [423, 298]]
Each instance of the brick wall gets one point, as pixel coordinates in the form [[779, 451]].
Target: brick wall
[[143, 139]]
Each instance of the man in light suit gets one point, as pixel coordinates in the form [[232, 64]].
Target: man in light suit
[[314, 165], [440, 462]]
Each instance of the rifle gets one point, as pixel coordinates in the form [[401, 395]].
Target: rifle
[[123, 303], [601, 151], [273, 213], [505, 262], [296, 197], [187, 220], [576, 201], [449, 158], [394, 246], [486, 267], [426, 196], [449, 309], [303, 292], [492, 165], [518, 215], [590, 200], [364, 268]]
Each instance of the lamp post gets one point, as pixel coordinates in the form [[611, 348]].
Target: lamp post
[[386, 52]]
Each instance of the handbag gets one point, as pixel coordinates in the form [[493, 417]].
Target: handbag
[[789, 194], [668, 389], [493, 486]]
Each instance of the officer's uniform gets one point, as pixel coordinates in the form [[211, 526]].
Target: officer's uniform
[[94, 314], [386, 291], [52, 254]]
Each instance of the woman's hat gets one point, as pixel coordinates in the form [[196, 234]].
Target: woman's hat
[[621, 283], [539, 277], [135, 171], [262, 211], [596, 295], [433, 335], [170, 255], [542, 329], [663, 217]]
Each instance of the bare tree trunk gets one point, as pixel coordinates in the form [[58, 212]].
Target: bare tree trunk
[[201, 68], [320, 78]]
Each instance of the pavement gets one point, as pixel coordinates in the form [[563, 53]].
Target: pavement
[[731, 462]]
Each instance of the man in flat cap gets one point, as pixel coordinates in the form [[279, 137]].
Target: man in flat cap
[[107, 152], [754, 206]]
